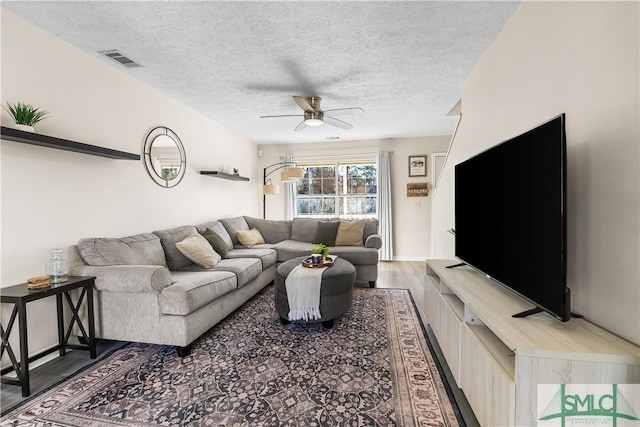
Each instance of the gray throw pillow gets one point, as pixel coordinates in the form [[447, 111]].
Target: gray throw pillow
[[219, 229], [217, 242], [326, 233]]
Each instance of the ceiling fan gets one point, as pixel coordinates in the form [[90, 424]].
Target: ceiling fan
[[314, 115]]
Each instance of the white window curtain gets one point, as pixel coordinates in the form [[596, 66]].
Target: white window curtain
[[289, 197], [383, 208]]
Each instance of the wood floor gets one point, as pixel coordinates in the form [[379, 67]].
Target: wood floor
[[403, 275]]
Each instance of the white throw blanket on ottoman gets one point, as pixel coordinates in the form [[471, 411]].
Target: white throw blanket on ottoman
[[303, 292]]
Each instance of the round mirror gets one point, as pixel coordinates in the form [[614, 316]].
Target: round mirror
[[164, 157]]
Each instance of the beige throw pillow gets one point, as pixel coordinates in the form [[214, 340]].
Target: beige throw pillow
[[350, 233], [250, 238], [199, 250]]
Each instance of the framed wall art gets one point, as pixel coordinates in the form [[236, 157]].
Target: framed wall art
[[418, 165]]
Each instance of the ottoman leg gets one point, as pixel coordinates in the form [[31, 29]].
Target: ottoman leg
[[372, 283], [284, 321], [328, 324]]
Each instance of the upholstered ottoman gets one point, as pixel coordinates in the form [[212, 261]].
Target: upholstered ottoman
[[336, 291]]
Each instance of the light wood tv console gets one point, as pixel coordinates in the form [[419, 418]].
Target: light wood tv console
[[498, 361]]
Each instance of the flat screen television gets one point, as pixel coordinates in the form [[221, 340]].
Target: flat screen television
[[510, 216]]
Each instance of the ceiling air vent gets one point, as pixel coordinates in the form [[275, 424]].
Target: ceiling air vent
[[116, 55]]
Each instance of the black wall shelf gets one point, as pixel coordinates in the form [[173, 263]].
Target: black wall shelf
[[16, 135], [217, 174]]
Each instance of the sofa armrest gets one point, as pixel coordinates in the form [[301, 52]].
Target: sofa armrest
[[126, 278], [373, 241]]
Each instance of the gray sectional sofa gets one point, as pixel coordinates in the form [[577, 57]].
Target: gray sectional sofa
[[148, 291]]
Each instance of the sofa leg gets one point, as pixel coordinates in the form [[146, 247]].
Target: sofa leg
[[183, 351], [372, 283], [328, 324]]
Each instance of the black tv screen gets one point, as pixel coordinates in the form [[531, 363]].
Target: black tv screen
[[510, 215]]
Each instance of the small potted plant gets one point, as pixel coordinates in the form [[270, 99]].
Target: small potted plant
[[25, 115], [319, 254]]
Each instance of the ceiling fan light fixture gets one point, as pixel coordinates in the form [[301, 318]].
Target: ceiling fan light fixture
[[313, 118], [313, 122]]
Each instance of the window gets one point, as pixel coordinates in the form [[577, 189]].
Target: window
[[342, 188]]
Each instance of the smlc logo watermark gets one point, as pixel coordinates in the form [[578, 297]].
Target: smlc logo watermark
[[571, 405]]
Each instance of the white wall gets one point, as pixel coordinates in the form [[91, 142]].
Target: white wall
[[580, 58], [52, 198], [411, 215]]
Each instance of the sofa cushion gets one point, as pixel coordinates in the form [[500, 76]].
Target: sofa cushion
[[304, 229], [268, 256], [357, 255], [350, 233], [326, 233], [245, 269], [194, 289], [140, 249], [199, 250], [169, 238], [289, 249], [370, 227], [218, 228], [233, 225], [217, 243], [250, 238], [272, 231]]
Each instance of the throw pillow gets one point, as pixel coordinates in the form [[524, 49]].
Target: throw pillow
[[350, 233], [197, 249], [249, 238], [326, 233], [217, 242]]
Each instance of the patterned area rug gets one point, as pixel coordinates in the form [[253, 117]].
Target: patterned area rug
[[373, 368]]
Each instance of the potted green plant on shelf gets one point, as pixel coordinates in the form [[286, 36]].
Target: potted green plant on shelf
[[25, 115]]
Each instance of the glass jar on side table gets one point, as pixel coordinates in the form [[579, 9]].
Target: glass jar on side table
[[57, 267]]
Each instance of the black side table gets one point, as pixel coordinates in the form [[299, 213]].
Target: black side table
[[19, 296]]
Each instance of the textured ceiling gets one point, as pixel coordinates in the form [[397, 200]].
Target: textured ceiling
[[402, 62]]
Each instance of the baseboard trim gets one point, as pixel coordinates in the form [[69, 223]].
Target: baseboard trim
[[409, 258]]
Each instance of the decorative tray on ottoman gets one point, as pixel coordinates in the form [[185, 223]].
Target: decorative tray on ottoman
[[328, 262]]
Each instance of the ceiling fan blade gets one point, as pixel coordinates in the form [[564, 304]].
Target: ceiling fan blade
[[302, 103], [337, 123], [282, 115], [301, 126], [348, 108]]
